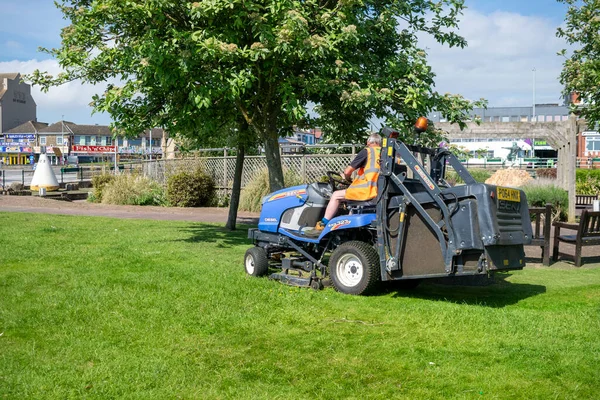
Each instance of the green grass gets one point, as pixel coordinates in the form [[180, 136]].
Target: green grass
[[105, 308]]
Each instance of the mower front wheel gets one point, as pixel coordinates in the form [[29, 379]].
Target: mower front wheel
[[256, 262], [354, 268]]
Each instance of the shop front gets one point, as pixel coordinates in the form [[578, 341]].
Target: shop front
[[17, 149], [86, 154]]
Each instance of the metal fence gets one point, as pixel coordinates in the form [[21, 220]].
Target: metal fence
[[308, 167]]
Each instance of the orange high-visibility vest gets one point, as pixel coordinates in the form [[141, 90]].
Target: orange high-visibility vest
[[364, 186]]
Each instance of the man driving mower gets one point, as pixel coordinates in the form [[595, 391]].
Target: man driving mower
[[363, 188]]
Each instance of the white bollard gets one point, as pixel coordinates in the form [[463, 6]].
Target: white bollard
[[42, 192]]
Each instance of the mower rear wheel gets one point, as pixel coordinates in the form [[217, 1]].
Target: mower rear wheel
[[354, 268], [256, 262]]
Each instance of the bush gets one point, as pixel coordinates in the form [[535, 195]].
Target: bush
[[479, 174], [186, 189], [253, 193], [538, 195], [587, 181], [133, 190], [98, 183], [546, 173]]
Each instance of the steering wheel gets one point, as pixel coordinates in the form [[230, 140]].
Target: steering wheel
[[336, 181]]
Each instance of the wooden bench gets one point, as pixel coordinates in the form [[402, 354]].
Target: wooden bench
[[585, 200], [541, 217], [588, 234]]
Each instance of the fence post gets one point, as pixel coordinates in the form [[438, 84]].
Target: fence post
[[23, 177], [225, 169], [62, 175], [353, 149], [303, 168]]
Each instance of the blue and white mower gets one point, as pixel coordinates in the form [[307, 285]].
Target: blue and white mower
[[418, 227]]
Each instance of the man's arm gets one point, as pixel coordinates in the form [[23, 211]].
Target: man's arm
[[348, 172], [358, 161]]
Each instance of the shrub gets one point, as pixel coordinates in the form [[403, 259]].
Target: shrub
[[186, 189], [133, 190], [98, 183], [479, 174], [587, 181], [253, 193], [546, 173], [538, 195]]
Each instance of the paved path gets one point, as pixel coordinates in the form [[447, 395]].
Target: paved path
[[36, 204]]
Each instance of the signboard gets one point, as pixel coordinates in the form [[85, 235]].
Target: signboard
[[94, 149], [20, 136], [15, 149]]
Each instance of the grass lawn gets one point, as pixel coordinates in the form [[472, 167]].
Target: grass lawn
[[104, 308]]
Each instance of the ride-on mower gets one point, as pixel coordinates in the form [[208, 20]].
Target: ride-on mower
[[417, 227]]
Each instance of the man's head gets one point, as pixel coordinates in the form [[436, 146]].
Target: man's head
[[374, 140]]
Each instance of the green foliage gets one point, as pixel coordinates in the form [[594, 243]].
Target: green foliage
[[479, 174], [581, 68], [194, 67], [258, 187], [538, 195], [587, 181], [126, 189], [185, 189], [102, 308], [98, 183]]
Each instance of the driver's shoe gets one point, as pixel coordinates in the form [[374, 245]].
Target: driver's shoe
[[316, 231]]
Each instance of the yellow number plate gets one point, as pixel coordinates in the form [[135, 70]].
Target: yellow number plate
[[509, 194]]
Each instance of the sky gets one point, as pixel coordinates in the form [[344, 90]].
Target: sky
[[507, 40]]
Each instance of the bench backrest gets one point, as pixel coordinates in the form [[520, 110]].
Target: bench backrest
[[585, 199], [536, 213], [589, 224]]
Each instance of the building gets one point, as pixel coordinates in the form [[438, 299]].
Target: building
[[542, 113], [16, 104], [18, 144]]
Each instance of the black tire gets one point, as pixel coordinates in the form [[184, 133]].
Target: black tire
[[354, 268], [256, 262]]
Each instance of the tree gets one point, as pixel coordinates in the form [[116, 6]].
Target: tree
[[581, 70], [173, 63]]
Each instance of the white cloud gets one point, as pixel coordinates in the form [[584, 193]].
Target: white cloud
[[498, 62], [71, 99]]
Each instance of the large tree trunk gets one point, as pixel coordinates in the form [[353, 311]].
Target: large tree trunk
[[273, 161], [237, 187]]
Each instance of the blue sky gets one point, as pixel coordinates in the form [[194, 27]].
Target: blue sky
[[507, 39]]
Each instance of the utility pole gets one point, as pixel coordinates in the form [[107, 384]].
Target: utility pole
[[533, 116]]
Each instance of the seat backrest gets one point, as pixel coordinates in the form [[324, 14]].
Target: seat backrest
[[590, 223], [539, 214]]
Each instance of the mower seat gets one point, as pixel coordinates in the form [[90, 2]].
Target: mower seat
[[361, 207]]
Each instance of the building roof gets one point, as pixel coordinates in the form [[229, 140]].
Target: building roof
[[72, 128], [9, 75], [28, 127]]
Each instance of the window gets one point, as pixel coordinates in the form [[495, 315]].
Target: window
[[108, 141], [88, 140], [59, 140], [592, 143], [42, 140], [505, 119]]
